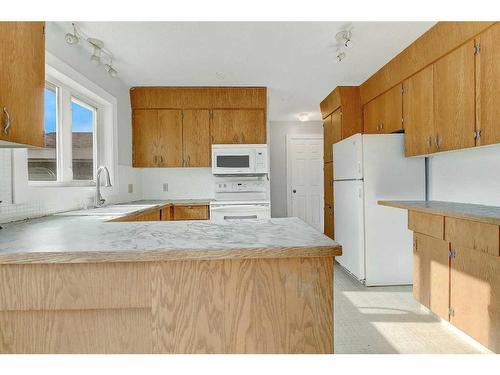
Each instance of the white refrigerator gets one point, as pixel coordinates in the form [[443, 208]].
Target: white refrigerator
[[376, 242]]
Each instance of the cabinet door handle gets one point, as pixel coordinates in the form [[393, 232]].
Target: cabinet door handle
[[429, 143], [438, 141], [381, 126], [8, 122]]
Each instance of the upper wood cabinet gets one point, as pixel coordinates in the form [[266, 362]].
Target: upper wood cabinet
[[157, 138], [384, 113], [454, 99], [238, 126], [327, 139], [176, 126], [332, 133], [196, 138], [22, 83], [488, 86], [418, 113]]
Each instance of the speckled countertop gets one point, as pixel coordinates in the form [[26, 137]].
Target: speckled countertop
[[68, 238], [474, 212]]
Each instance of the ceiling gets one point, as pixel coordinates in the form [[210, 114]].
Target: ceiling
[[294, 60]]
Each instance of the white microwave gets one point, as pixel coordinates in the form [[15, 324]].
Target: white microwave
[[239, 159]]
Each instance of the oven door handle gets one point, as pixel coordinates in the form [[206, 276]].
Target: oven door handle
[[256, 206], [240, 217]]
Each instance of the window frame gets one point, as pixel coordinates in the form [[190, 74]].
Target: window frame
[[64, 129]]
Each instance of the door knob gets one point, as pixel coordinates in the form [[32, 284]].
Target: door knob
[[294, 191]]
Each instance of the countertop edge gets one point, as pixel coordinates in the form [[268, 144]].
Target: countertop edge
[[125, 256], [436, 211]]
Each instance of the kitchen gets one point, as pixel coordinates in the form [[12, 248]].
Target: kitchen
[[153, 204]]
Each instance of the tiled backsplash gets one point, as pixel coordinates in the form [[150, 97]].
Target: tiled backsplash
[[5, 177]]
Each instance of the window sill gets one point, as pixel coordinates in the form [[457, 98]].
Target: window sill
[[61, 183]]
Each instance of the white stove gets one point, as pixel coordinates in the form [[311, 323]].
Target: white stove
[[240, 198]]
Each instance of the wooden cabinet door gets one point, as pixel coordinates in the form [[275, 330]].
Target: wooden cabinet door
[[22, 82], [392, 110], [488, 86], [454, 102], [372, 116], [238, 126], [196, 138], [328, 222], [431, 273], [418, 113], [169, 138], [475, 295], [328, 183], [327, 139], [336, 126], [144, 138], [191, 212]]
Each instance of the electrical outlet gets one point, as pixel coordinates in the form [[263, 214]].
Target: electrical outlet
[[130, 188], [165, 186]]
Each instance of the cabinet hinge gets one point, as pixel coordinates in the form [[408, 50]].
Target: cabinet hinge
[[452, 253], [477, 134], [451, 311], [477, 48]]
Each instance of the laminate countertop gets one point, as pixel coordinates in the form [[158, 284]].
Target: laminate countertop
[[70, 238], [474, 212]]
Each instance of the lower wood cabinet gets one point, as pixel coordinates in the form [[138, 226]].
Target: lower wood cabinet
[[456, 273], [149, 215], [191, 212], [475, 295], [431, 273], [328, 196]]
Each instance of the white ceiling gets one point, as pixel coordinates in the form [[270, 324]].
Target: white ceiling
[[295, 60]]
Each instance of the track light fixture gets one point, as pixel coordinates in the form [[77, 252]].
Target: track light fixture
[[99, 54], [344, 40]]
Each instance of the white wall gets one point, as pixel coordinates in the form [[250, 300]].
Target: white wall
[[183, 183], [277, 147], [467, 176]]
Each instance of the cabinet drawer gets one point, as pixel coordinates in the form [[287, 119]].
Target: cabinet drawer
[[190, 212], [473, 235], [432, 225]]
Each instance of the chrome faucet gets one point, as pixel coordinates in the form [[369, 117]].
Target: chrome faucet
[[99, 200]]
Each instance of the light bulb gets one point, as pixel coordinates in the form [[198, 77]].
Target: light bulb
[[111, 71], [71, 38], [340, 56], [96, 56]]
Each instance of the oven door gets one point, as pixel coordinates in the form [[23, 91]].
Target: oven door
[[233, 162], [239, 212]]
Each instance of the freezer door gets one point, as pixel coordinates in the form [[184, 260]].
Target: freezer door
[[349, 225], [348, 158]]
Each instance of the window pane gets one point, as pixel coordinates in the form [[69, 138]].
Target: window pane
[[82, 120], [42, 162]]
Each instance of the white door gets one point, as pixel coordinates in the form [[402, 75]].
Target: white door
[[305, 179], [348, 215], [348, 158]]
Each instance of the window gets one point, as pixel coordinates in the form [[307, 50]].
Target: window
[[70, 125], [42, 163]]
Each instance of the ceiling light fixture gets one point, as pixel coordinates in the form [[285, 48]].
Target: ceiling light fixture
[[99, 54], [344, 37], [304, 116], [340, 56]]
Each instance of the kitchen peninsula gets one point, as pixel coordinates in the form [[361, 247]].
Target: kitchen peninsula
[[86, 284]]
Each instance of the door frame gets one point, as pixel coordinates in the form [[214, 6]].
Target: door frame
[[289, 138]]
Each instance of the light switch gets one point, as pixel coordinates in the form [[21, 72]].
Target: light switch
[[130, 188], [165, 186]]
